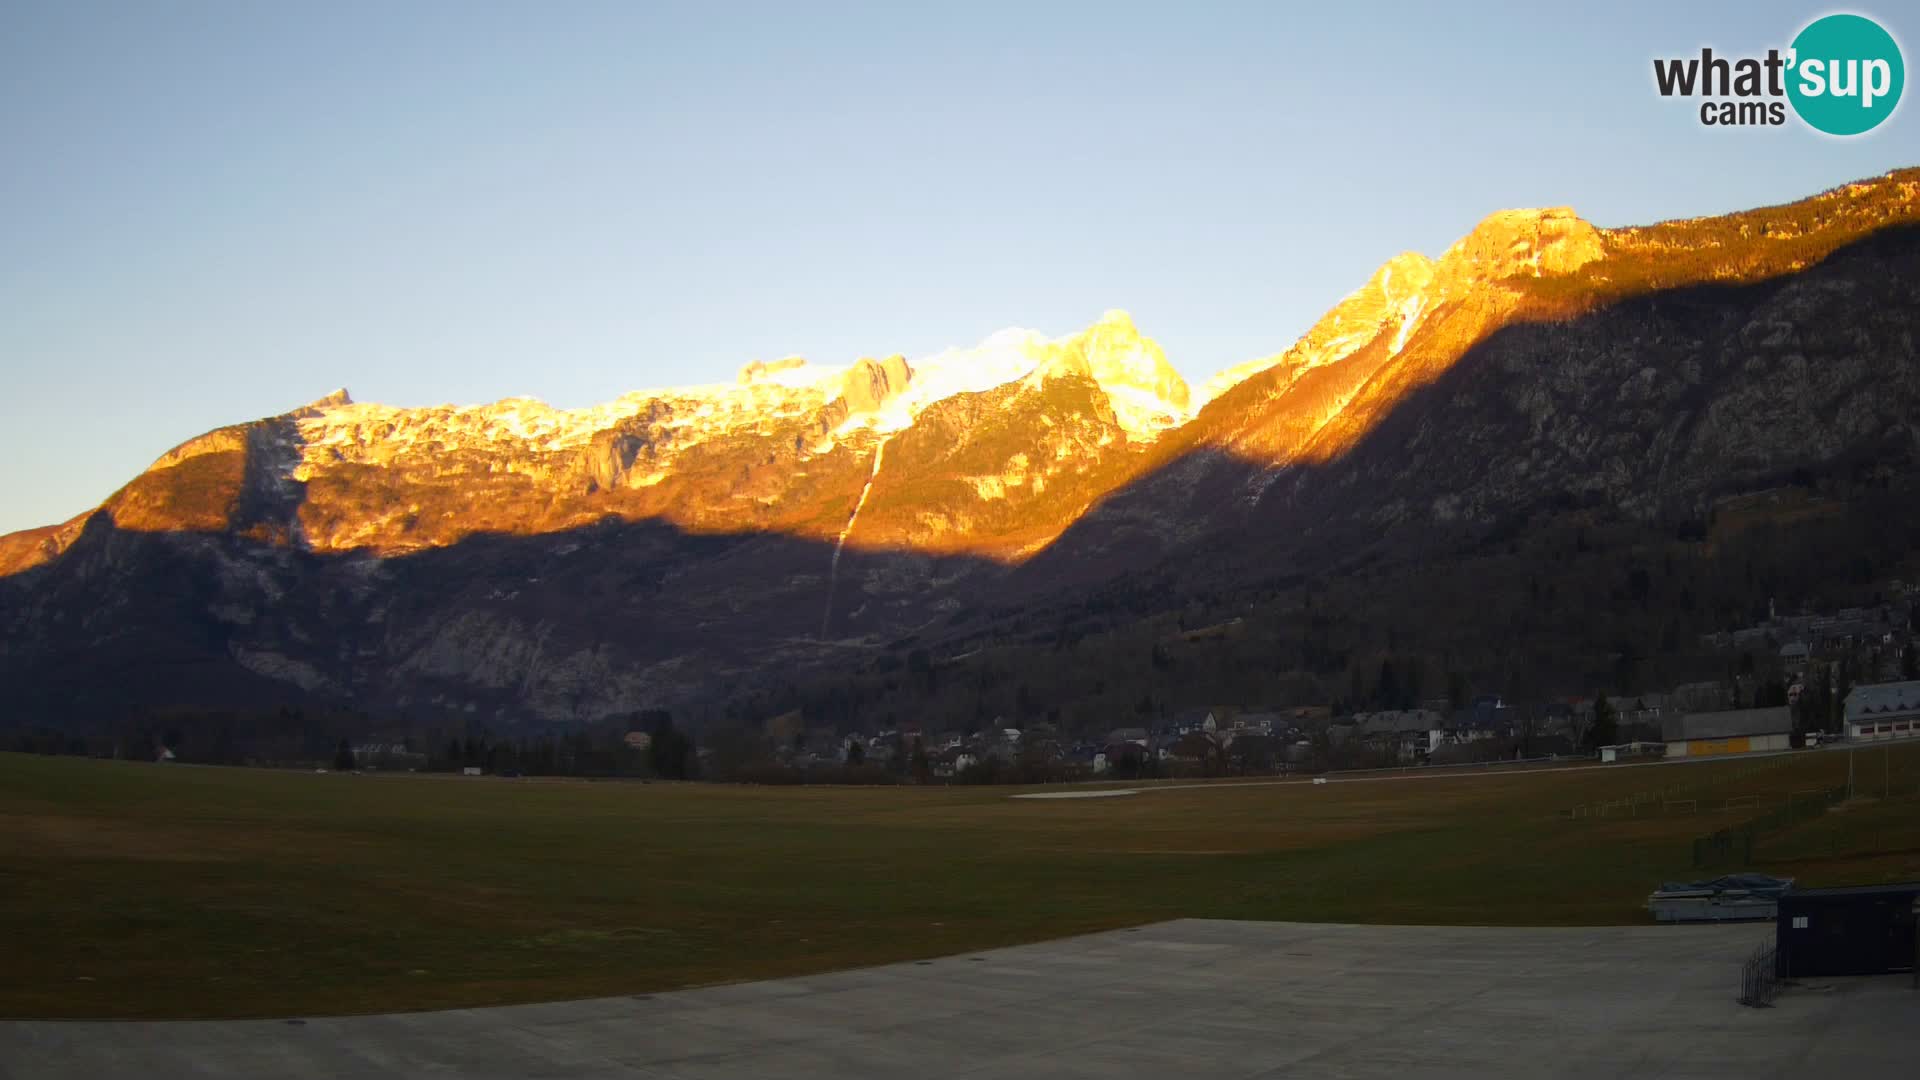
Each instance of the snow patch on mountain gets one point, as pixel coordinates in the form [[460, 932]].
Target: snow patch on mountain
[[880, 397], [1397, 296]]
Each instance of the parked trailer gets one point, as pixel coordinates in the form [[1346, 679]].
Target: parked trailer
[[1733, 898]]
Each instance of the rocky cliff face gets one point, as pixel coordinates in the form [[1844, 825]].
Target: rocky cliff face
[[515, 561], [870, 383], [788, 447], [1654, 369], [1391, 302]]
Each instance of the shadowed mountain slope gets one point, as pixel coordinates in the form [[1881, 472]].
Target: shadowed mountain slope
[[518, 564]]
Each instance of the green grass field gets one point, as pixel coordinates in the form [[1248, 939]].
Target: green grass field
[[143, 890]]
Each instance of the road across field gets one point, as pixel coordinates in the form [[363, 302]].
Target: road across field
[[1192, 998], [1529, 767]]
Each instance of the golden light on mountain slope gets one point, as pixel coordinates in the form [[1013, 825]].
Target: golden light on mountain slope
[[992, 451], [1518, 267]]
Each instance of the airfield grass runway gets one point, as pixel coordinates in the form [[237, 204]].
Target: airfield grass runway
[[143, 891]]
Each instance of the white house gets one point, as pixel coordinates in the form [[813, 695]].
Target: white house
[[1794, 656], [1264, 723], [1193, 718], [1410, 732], [1883, 711]]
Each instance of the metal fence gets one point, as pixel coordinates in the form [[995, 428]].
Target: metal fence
[[1735, 843], [1760, 978]]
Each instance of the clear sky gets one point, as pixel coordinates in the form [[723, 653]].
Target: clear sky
[[211, 212]]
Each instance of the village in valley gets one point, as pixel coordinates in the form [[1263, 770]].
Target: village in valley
[[1792, 681], [1788, 681]]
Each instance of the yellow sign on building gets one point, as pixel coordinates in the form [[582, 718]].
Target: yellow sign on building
[[1701, 747]]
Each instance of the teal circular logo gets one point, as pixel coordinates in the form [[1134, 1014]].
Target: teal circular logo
[[1846, 74]]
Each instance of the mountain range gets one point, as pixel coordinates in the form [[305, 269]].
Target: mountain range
[[516, 564]]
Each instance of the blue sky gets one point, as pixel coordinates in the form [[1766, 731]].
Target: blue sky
[[211, 212]]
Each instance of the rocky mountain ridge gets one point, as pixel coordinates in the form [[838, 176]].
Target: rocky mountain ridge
[[518, 561]]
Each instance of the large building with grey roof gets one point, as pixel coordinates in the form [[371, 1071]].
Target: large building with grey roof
[[1728, 731]]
